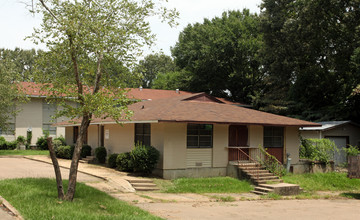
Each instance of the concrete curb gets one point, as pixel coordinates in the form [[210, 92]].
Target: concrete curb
[[100, 177], [11, 208]]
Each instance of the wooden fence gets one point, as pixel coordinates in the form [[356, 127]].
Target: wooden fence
[[354, 167]]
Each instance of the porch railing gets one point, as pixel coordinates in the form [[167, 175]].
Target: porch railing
[[256, 155], [271, 163], [244, 154]]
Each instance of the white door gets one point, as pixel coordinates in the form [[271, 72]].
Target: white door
[[340, 142]]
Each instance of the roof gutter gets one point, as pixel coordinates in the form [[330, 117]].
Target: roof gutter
[[107, 123]]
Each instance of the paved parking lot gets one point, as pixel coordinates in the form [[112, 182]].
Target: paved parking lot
[[21, 168]]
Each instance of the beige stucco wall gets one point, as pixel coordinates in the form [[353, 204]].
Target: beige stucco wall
[[256, 135], [30, 116], [121, 138], [174, 146], [93, 136], [292, 144], [157, 140], [220, 142]]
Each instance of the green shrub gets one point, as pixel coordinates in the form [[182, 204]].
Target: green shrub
[[12, 145], [41, 143], [3, 145], [144, 158], [61, 139], [112, 160], [7, 145], [124, 162], [20, 139], [85, 151], [352, 150], [318, 149], [64, 152], [57, 144], [100, 154]]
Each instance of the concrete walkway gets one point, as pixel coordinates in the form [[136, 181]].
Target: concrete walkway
[[114, 181]]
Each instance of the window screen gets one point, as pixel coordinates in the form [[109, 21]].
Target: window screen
[[273, 137], [142, 133], [199, 135]]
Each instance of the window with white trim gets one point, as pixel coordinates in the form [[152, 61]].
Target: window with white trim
[[199, 136]]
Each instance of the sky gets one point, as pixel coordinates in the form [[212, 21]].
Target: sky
[[16, 22]]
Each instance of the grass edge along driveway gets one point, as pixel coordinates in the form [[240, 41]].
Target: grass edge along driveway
[[37, 199]]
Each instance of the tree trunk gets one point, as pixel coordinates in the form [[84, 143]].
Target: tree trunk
[[56, 168], [76, 156]]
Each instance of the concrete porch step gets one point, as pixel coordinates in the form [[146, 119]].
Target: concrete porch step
[[251, 168], [138, 188], [264, 181], [139, 181], [259, 192], [283, 188], [143, 185], [266, 177], [256, 171], [263, 189], [87, 159], [254, 175]]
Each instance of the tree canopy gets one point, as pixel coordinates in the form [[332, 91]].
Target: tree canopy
[[23, 62], [154, 65], [309, 56], [221, 55], [85, 39]]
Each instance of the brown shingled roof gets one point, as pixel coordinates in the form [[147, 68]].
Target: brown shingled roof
[[34, 89], [185, 109]]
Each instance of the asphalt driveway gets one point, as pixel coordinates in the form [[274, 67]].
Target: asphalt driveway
[[21, 168]]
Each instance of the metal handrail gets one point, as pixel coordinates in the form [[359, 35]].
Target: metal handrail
[[263, 158], [240, 153]]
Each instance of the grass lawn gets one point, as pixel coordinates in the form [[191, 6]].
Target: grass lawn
[[24, 152], [207, 185], [37, 199], [324, 182]]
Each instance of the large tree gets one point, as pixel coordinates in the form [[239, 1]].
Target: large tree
[[307, 56], [221, 55], [84, 37], [23, 62], [154, 65], [8, 91]]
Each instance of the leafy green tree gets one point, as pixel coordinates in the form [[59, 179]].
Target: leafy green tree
[[307, 55], [172, 80], [10, 95], [221, 55], [154, 65], [23, 62], [83, 37]]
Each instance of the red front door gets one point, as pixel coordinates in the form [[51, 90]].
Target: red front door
[[238, 137]]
